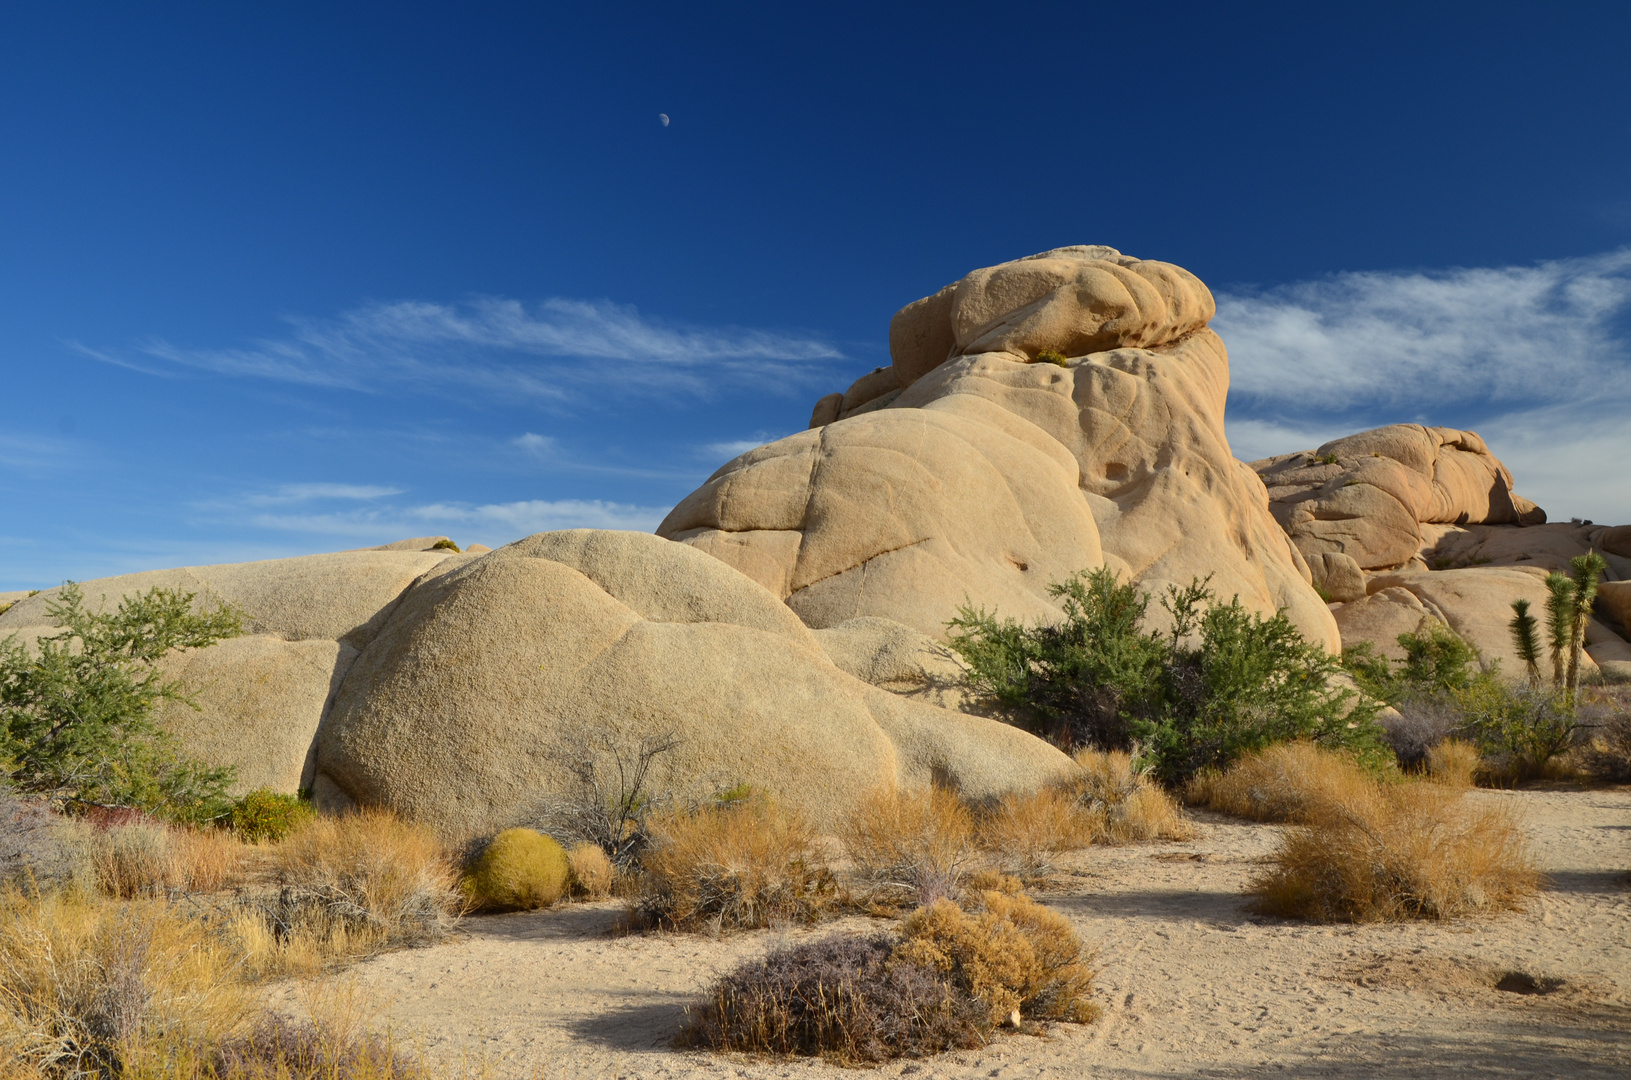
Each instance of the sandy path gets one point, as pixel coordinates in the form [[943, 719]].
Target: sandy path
[[1192, 984]]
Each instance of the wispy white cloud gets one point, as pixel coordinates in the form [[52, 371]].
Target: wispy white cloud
[[296, 493], [490, 523], [542, 445], [735, 447], [32, 452], [1536, 358], [496, 346]]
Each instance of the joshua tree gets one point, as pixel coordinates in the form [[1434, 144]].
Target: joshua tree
[[1559, 619], [1525, 637], [1585, 570]]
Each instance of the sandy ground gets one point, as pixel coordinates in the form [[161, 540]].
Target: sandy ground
[[1192, 983]]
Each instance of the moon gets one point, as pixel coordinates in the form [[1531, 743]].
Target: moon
[[663, 117]]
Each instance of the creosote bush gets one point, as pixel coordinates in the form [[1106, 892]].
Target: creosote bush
[[264, 814], [1223, 681], [912, 847], [748, 862], [1052, 356], [517, 870]]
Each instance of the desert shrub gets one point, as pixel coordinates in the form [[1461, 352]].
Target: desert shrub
[[349, 886], [1518, 729], [914, 846], [614, 798], [592, 872], [1096, 678], [1016, 957], [1052, 356], [327, 1047], [1287, 782], [133, 859], [1453, 763], [76, 720], [264, 814], [1606, 733], [518, 870], [1436, 658], [40, 849], [445, 544], [103, 989], [1125, 805], [1025, 832], [746, 863], [1399, 851], [845, 998], [1420, 722]]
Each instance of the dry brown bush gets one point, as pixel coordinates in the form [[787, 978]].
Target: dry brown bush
[[913, 846], [1016, 957], [1605, 735], [747, 863], [1127, 806], [1025, 834], [592, 872], [1453, 763], [844, 998], [1283, 782], [134, 859], [1398, 851], [102, 989]]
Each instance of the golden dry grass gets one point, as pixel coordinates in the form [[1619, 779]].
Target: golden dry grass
[[748, 863], [1127, 806], [1283, 782], [1025, 834], [913, 846], [1411, 850], [1453, 763], [592, 872], [1017, 957]]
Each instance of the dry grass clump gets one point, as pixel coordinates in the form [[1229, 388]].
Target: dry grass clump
[[844, 998], [1013, 955], [41, 850], [1454, 763], [1399, 851], [746, 863], [593, 875], [1126, 805], [911, 845], [1283, 782], [1025, 834], [350, 886], [99, 988]]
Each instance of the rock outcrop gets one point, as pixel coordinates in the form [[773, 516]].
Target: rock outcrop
[[1368, 495], [987, 476], [490, 682]]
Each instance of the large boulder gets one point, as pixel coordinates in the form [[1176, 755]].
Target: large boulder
[[262, 697], [488, 684], [1367, 495], [990, 476]]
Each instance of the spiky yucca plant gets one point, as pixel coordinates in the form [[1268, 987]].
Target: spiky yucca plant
[[1584, 572], [1526, 639], [1559, 618]]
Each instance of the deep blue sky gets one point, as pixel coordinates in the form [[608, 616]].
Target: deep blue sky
[[213, 220]]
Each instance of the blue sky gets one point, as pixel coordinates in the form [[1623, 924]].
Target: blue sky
[[299, 278]]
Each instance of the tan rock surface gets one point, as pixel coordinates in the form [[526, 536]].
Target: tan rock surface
[[990, 478], [1338, 575], [1367, 495], [892, 656], [1614, 600], [1549, 547], [489, 679]]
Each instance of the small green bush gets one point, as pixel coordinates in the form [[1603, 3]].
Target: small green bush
[[1097, 678], [1051, 356], [445, 544], [1328, 459], [518, 870], [264, 814]]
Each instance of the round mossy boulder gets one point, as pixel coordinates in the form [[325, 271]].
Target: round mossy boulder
[[518, 870]]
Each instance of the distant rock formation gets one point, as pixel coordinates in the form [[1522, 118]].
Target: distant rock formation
[[970, 472]]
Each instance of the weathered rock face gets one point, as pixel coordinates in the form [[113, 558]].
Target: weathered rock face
[[989, 477], [262, 696], [1367, 495], [488, 681]]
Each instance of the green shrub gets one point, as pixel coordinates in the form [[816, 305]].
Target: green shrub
[[1051, 356], [264, 814], [1517, 729], [518, 870], [1436, 658], [445, 544], [76, 721], [1097, 678]]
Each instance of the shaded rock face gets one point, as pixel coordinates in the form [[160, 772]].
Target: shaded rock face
[[1367, 495], [988, 476]]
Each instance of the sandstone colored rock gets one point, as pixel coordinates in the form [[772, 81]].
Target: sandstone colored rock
[[1548, 547], [1614, 601], [489, 680], [897, 658], [262, 696], [1338, 575], [1616, 540], [989, 477], [1367, 495]]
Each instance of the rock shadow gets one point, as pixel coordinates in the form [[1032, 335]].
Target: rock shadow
[[645, 1025]]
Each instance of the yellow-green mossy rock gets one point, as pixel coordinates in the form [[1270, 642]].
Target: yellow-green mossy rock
[[519, 870]]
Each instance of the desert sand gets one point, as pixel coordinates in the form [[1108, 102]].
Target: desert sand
[[1191, 981]]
